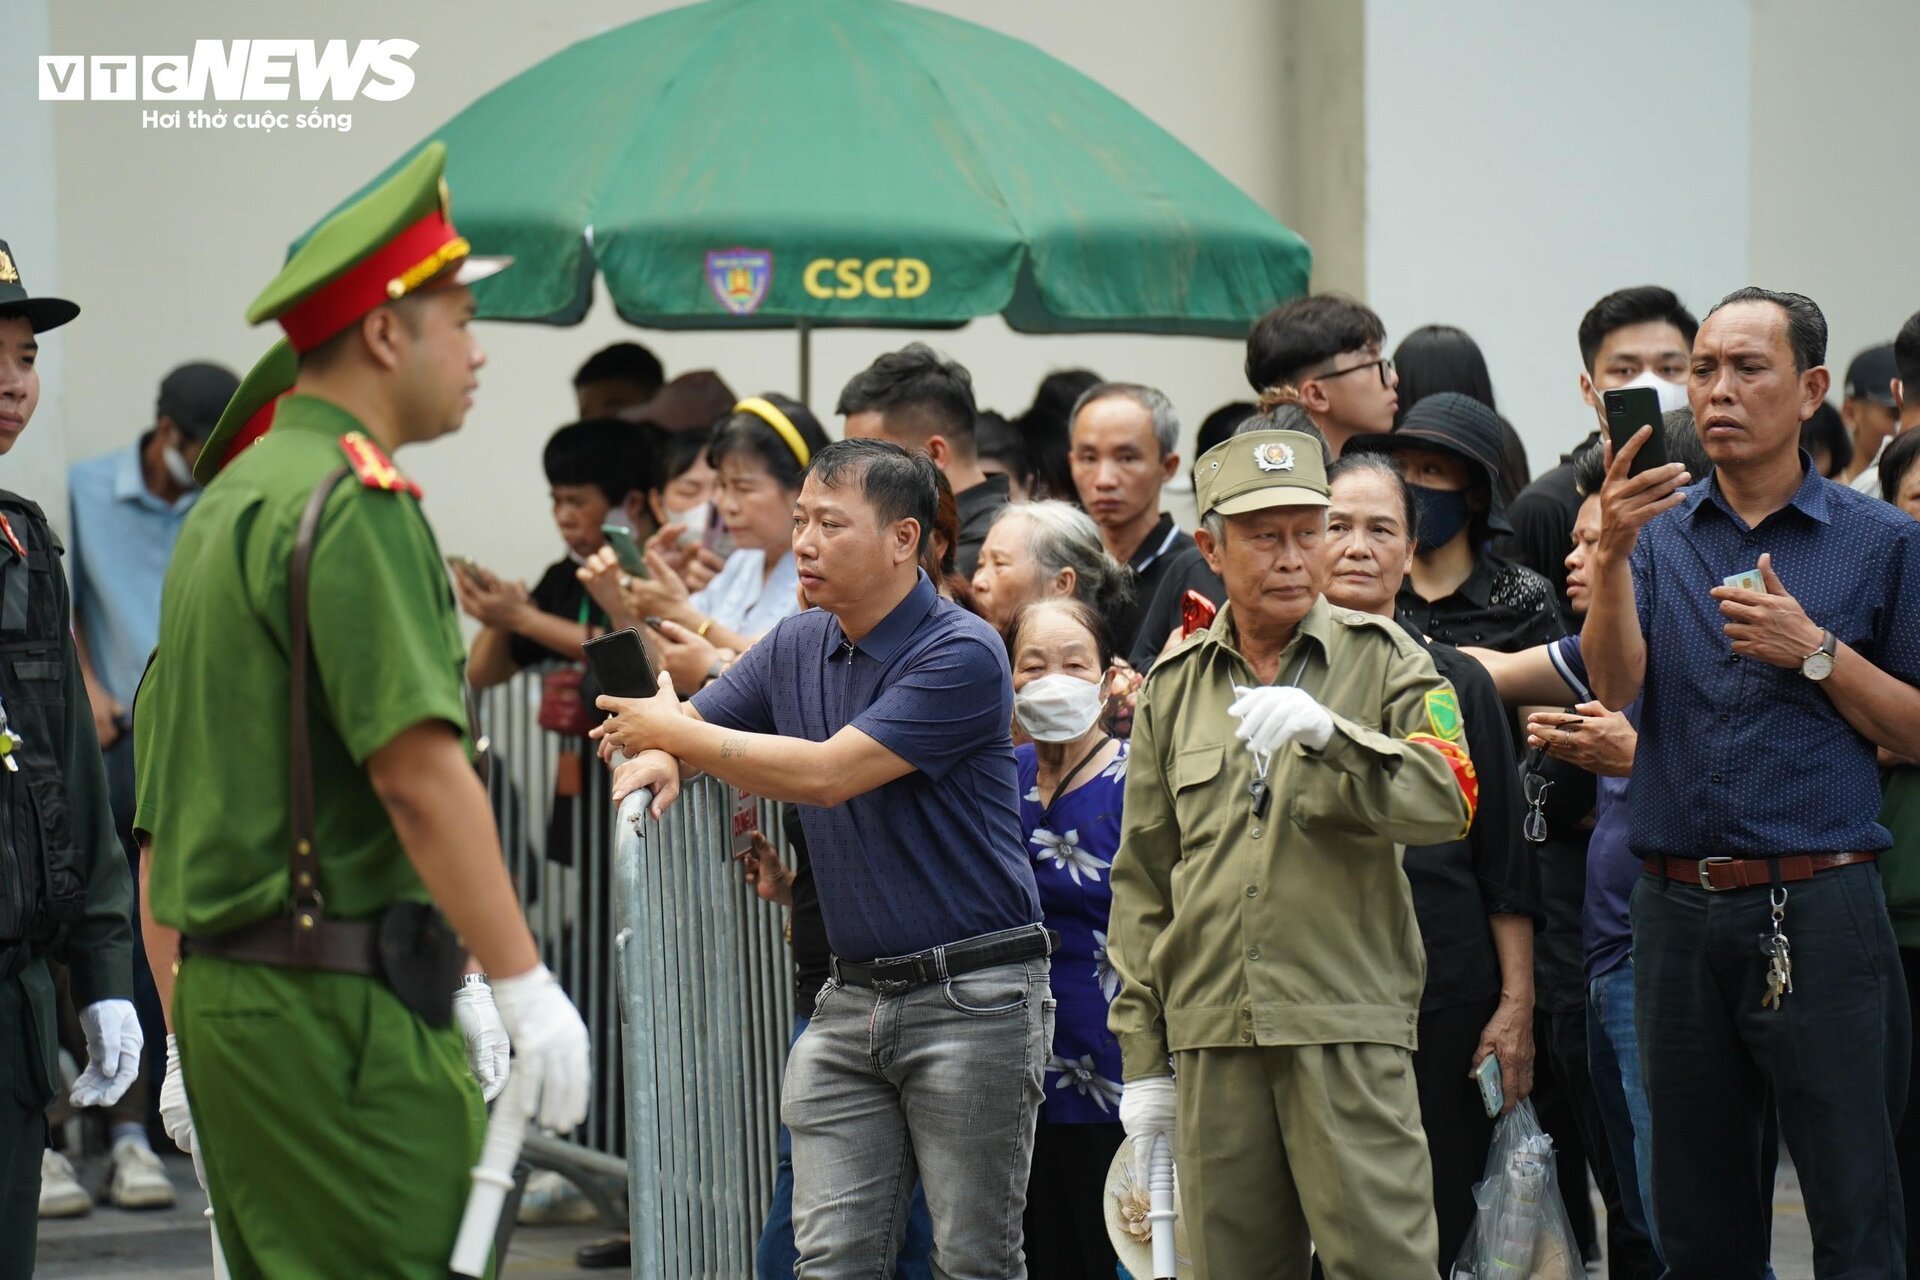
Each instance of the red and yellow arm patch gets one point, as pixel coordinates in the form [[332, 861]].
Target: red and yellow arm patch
[[1464, 775], [373, 467]]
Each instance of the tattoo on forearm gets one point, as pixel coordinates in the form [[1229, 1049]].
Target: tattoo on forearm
[[733, 748]]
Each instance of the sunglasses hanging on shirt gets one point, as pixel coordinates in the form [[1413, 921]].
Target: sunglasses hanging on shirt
[[1534, 786]]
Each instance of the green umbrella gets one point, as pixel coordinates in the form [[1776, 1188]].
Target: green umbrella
[[746, 164]]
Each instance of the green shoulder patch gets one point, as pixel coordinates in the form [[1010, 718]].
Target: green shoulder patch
[[1443, 714]]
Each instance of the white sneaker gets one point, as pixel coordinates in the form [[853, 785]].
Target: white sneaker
[[139, 1180], [551, 1200], [61, 1195]]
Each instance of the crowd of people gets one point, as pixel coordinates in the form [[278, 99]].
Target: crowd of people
[[1256, 839]]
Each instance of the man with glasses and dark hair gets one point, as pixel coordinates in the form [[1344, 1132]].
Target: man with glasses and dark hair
[[885, 713], [1766, 975], [1323, 353]]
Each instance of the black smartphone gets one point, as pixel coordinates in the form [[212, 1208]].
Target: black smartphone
[[1628, 409], [620, 666]]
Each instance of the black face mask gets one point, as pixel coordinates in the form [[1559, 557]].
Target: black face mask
[[1443, 514]]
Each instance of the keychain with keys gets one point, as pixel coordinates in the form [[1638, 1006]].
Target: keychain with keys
[[9, 742], [1779, 953]]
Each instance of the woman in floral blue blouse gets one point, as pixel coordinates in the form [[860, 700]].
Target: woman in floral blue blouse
[[1072, 777]]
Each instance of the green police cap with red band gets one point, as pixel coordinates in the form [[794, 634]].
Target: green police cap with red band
[[250, 413], [382, 247]]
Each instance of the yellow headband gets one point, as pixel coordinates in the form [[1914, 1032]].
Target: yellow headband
[[769, 412]]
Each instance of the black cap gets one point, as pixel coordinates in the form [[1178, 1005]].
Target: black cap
[[1871, 374], [42, 313], [1458, 424], [195, 395]]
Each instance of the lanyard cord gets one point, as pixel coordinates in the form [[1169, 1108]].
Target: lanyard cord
[[1066, 780]]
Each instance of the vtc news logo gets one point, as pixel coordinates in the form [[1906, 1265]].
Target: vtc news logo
[[236, 71]]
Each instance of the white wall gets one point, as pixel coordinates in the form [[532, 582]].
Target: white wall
[[36, 467], [1835, 190], [167, 236], [1524, 162]]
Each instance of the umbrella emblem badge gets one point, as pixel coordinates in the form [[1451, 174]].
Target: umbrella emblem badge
[[1273, 456], [740, 278]]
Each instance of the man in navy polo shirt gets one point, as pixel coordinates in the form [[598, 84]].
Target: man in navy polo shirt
[[884, 714], [1754, 801]]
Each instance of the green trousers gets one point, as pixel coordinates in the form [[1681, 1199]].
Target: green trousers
[[1286, 1151], [25, 1091], [339, 1131]]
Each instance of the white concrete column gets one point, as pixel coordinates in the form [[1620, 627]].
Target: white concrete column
[[1525, 158]]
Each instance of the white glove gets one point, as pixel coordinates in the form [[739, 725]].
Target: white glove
[[113, 1052], [550, 1045], [174, 1114], [1271, 717], [487, 1045], [1146, 1113]]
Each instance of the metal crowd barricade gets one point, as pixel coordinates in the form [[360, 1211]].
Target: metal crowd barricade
[[707, 1001], [702, 990]]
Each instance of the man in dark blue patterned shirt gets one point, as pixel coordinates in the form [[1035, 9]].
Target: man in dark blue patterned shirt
[[1770, 621], [885, 714]]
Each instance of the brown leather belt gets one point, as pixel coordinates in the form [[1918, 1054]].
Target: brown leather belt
[[1717, 874], [343, 946]]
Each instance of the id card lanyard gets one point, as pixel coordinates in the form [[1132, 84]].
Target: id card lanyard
[[1262, 796]]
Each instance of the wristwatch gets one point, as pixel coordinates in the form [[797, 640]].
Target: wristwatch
[[1818, 665]]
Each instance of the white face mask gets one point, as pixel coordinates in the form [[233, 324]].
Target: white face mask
[[1673, 395], [695, 519], [1058, 708], [176, 463]]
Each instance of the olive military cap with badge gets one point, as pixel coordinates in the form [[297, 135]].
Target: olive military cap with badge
[[1260, 469]]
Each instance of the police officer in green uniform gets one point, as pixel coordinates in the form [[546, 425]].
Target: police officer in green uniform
[[1262, 927], [307, 785], [64, 889]]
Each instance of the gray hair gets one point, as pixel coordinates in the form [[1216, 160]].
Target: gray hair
[[1216, 526], [1062, 536], [1166, 424]]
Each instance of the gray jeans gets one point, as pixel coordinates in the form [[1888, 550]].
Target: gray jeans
[[943, 1083]]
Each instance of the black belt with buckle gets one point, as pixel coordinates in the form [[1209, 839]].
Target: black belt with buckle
[[903, 973]]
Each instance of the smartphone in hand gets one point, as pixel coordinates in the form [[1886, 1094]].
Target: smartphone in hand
[[620, 665], [625, 549], [1628, 409], [1493, 1093], [1196, 613], [471, 571]]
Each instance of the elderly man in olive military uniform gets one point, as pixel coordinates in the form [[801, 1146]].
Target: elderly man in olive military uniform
[[309, 784], [1262, 927], [64, 889]]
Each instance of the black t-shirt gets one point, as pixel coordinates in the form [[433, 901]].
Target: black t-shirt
[[1458, 884], [1501, 605], [976, 508], [1175, 574], [1150, 562], [1542, 518], [806, 927], [560, 593]]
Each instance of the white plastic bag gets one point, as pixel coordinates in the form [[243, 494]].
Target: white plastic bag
[[1520, 1228]]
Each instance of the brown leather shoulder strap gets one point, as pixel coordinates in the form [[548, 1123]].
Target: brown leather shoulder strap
[[309, 909]]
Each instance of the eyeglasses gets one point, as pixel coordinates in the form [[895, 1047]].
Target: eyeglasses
[[1383, 364], [1535, 788]]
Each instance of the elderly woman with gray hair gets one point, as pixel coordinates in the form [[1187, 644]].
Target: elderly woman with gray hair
[[1046, 550]]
